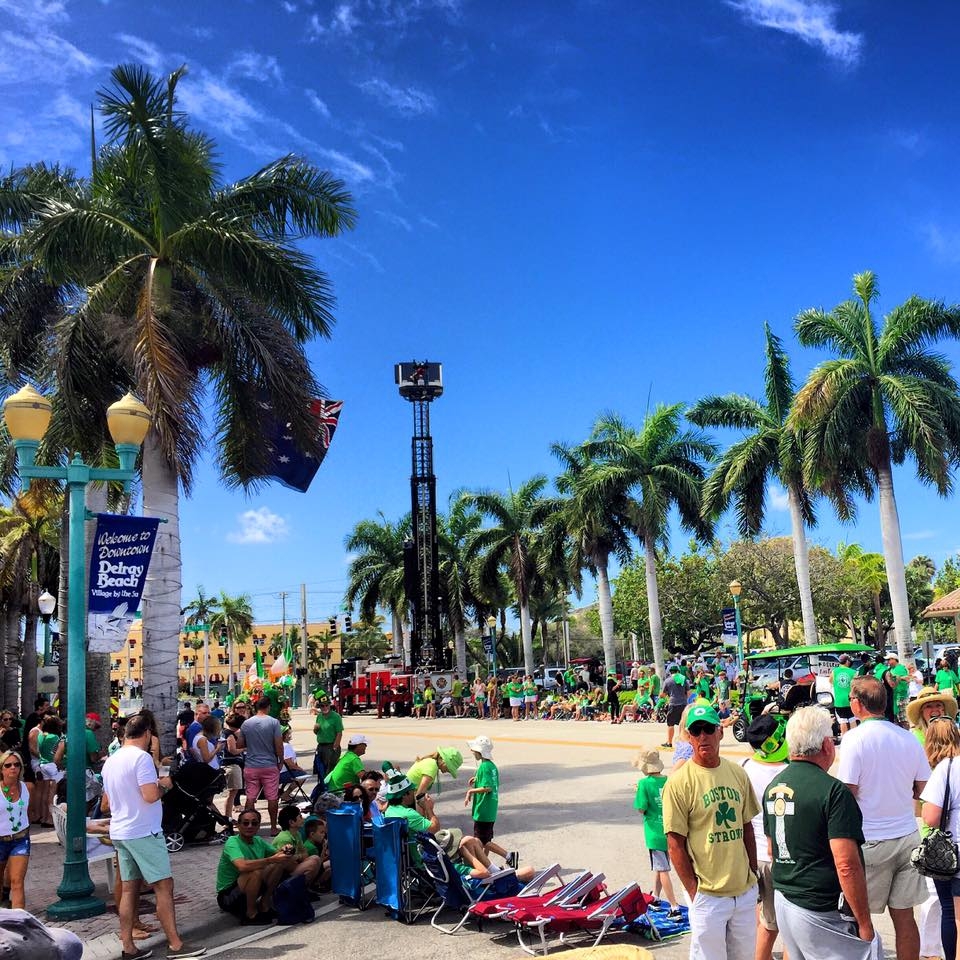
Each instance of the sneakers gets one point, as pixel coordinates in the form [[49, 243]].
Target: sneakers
[[513, 859], [137, 955], [675, 914], [666, 746], [187, 951]]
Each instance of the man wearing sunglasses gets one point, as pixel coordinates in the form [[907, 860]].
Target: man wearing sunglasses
[[707, 808]]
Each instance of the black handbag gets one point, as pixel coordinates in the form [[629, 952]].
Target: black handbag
[[937, 855]]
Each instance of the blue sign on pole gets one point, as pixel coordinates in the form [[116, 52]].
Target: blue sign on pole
[[118, 570], [488, 645]]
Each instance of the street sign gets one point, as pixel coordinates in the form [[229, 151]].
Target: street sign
[[197, 628], [488, 646], [48, 679]]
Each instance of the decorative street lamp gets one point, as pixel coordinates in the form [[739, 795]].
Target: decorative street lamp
[[492, 627], [735, 589], [27, 414], [47, 603]]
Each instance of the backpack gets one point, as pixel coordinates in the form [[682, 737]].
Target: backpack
[[292, 902]]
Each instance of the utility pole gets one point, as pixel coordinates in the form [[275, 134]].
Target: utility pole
[[283, 602], [305, 678]]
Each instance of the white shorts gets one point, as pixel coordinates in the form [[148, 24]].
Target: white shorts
[[516, 701], [51, 771], [530, 699]]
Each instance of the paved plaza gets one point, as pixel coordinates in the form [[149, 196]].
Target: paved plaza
[[566, 796]]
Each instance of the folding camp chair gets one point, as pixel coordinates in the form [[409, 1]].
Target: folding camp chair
[[581, 888], [621, 908], [401, 888], [347, 856], [455, 891], [293, 792]]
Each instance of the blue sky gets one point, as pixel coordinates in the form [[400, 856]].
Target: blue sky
[[575, 206]]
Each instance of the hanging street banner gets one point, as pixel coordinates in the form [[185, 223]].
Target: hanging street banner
[[118, 570], [729, 637]]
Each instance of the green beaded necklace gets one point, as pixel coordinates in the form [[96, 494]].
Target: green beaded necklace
[[11, 803]]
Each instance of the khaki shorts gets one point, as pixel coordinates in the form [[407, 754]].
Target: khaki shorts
[[768, 916], [892, 880], [233, 773]]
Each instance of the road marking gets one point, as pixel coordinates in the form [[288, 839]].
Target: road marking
[[555, 743]]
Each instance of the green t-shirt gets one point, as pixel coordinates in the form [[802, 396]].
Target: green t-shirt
[[804, 809], [901, 691], [456, 689], [485, 804], [427, 767], [417, 698], [46, 746], [946, 680], [311, 848], [288, 836], [428, 694], [529, 689], [238, 849], [649, 801], [347, 770], [416, 823], [842, 677], [514, 690], [654, 686], [329, 726], [93, 746]]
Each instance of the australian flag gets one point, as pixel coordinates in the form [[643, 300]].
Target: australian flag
[[287, 464]]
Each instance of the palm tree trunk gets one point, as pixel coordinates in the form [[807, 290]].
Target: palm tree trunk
[[527, 636], [396, 633], [28, 671], [653, 607], [460, 645], [230, 663], [162, 593], [893, 555], [14, 652], [605, 606], [801, 561]]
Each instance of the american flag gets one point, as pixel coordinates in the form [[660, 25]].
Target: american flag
[[288, 465]]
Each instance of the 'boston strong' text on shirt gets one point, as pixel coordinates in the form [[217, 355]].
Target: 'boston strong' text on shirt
[[720, 793]]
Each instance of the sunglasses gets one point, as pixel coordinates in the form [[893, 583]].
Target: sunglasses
[[943, 717], [699, 729], [12, 765], [248, 823]]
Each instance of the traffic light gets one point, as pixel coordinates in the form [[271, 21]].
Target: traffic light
[[333, 626], [347, 623]]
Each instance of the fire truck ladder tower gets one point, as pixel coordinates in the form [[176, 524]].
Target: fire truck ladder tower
[[420, 384]]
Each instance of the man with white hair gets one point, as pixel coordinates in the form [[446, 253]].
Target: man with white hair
[[886, 769], [814, 835]]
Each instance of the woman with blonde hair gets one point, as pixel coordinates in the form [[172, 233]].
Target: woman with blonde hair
[[14, 825], [942, 744]]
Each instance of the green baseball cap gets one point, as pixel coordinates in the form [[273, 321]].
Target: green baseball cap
[[704, 714]]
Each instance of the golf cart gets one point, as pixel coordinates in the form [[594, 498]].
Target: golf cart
[[811, 667]]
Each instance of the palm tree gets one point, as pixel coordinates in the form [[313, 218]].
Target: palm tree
[[376, 572], [596, 517], [454, 531], [232, 616], [518, 517], [885, 396], [660, 466], [189, 285], [771, 449]]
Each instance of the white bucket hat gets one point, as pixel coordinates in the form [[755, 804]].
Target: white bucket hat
[[483, 746]]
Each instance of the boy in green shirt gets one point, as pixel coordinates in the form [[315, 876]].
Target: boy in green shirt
[[289, 839], [649, 802], [841, 678], [484, 797]]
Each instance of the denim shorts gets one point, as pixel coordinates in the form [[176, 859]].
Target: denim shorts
[[15, 848]]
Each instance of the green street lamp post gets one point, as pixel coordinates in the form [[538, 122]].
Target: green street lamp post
[[27, 416], [492, 626], [735, 590], [47, 603]]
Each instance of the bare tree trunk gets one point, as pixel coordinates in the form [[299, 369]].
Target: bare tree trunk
[[162, 593], [801, 562], [893, 555], [28, 670], [605, 609], [653, 607], [396, 633], [460, 645]]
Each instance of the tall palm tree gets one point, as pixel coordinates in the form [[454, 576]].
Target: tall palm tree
[[454, 530], [233, 616], [869, 573], [199, 612], [189, 284], [376, 572], [660, 466], [517, 519], [884, 397], [596, 515], [770, 450]]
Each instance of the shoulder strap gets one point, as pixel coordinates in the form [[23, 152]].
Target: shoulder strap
[[944, 812]]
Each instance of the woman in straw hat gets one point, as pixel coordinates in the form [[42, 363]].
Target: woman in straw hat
[[930, 703]]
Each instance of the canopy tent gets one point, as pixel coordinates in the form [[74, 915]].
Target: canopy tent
[[947, 607]]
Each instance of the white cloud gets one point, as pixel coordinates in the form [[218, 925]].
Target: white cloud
[[260, 526], [812, 21], [214, 101], [255, 66], [42, 56], [317, 103], [408, 101], [920, 535], [778, 497], [395, 219], [36, 11], [146, 52], [944, 244]]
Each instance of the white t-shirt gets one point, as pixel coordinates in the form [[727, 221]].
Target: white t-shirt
[[936, 789], [131, 817], [290, 753], [214, 761], [883, 761], [761, 774]]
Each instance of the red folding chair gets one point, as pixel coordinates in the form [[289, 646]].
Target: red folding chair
[[533, 897]]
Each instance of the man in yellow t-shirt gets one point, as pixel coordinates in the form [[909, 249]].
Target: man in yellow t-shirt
[[707, 808]]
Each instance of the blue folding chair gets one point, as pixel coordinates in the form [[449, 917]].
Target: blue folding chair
[[347, 861], [400, 888]]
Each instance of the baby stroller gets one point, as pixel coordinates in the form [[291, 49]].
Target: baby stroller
[[188, 812]]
